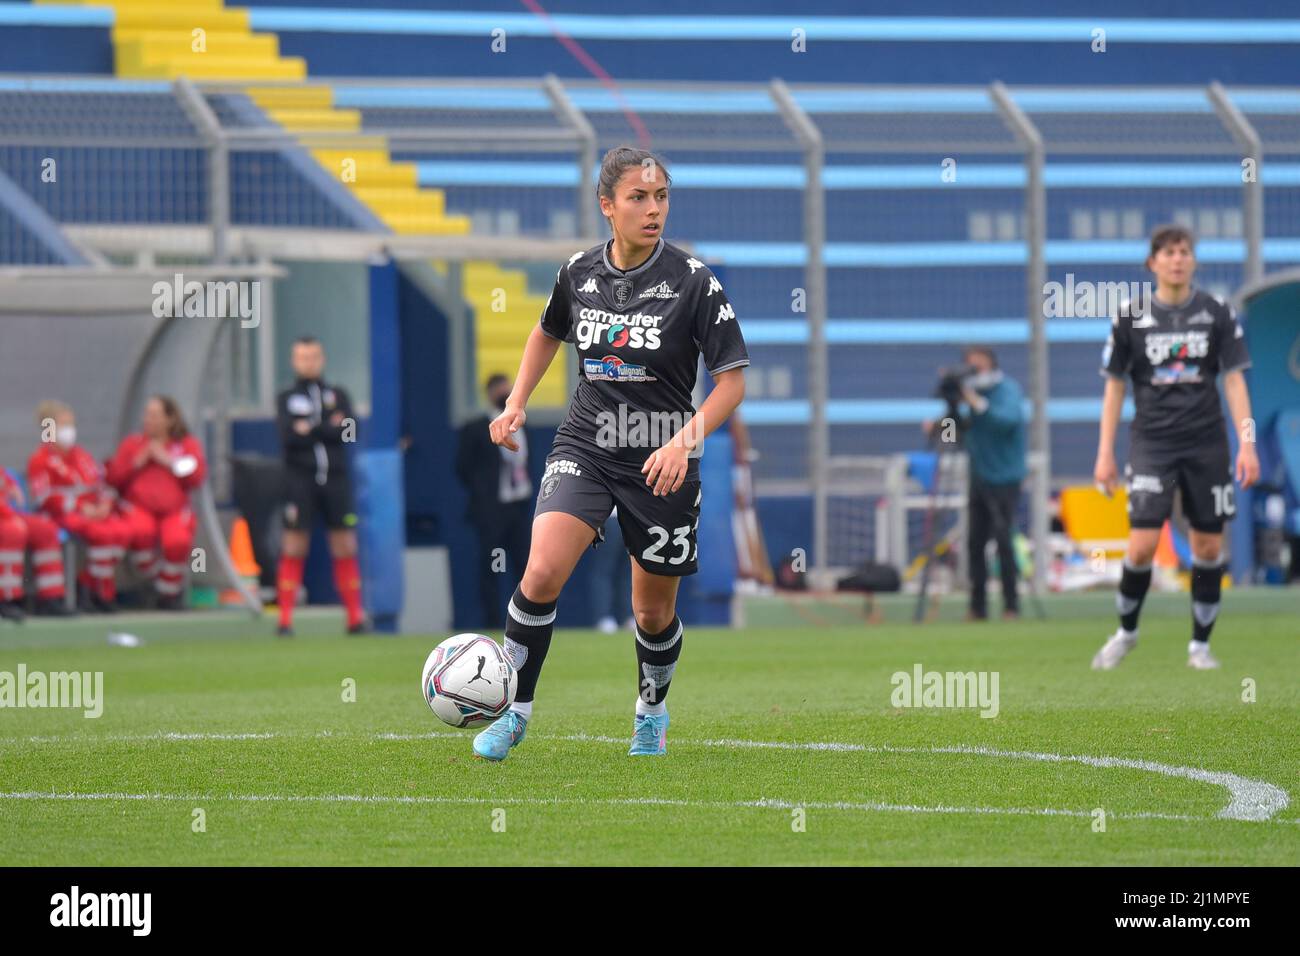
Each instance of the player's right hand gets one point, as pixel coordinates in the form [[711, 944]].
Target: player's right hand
[[1106, 474], [506, 424]]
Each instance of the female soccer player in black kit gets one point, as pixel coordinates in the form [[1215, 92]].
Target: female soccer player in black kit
[[1174, 347], [640, 313]]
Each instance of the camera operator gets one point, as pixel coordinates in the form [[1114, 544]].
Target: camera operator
[[987, 412]]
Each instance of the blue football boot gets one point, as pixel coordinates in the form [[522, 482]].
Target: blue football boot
[[505, 732], [649, 735]]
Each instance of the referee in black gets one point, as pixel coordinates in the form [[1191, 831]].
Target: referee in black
[[315, 423]]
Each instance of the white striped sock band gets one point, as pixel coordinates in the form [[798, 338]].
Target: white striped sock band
[[648, 645], [530, 620]]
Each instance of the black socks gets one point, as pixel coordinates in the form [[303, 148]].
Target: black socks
[[656, 659], [528, 638], [1133, 584], [1207, 584]]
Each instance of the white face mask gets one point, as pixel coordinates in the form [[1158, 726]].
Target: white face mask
[[66, 435], [985, 380]]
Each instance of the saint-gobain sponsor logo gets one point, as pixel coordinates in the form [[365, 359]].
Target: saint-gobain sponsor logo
[[960, 689], [75, 908], [660, 291], [209, 300], [1090, 300], [630, 428], [76, 690]]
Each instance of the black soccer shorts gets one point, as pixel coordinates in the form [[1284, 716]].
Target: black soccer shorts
[[1202, 470], [303, 498], [659, 532]]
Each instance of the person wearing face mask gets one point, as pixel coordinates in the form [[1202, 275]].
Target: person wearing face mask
[[995, 441], [154, 471], [67, 484], [991, 419], [500, 500]]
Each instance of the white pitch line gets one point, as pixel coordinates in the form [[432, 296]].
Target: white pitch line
[[762, 804], [1249, 800]]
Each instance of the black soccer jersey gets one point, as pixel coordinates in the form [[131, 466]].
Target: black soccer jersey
[[639, 335], [1174, 355]]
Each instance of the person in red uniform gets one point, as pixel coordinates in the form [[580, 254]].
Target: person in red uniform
[[154, 472], [21, 531], [67, 486]]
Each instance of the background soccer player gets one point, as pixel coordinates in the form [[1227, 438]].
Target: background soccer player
[[1174, 347], [315, 421], [640, 313]]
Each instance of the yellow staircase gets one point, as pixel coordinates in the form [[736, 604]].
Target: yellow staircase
[[205, 40], [201, 39]]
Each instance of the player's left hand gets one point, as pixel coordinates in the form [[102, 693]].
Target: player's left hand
[[665, 469], [1247, 465]]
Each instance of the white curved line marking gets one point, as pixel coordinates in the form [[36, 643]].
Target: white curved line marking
[[1249, 800]]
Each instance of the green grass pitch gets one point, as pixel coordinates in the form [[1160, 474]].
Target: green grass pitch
[[255, 733]]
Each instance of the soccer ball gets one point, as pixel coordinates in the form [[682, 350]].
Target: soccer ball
[[468, 681]]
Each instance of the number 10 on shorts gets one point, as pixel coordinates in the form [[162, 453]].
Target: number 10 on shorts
[[1224, 500]]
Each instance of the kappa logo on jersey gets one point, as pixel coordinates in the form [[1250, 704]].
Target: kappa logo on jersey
[[714, 285], [576, 256], [611, 368], [725, 313], [1178, 345], [694, 264], [588, 286], [661, 291]]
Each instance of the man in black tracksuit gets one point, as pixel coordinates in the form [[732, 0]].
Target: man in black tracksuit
[[316, 423]]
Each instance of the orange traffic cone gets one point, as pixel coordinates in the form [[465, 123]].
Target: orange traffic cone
[[241, 555]]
